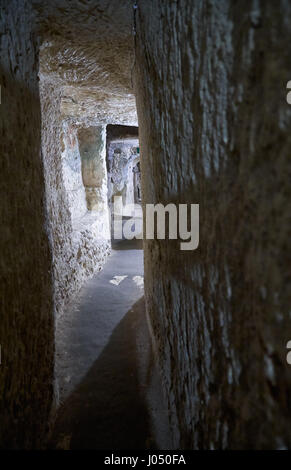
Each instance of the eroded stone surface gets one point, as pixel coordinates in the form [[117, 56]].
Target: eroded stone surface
[[26, 318], [85, 74], [122, 158], [87, 50], [76, 56], [215, 130], [79, 235]]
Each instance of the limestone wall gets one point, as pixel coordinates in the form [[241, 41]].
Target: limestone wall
[[72, 171], [26, 317], [214, 129], [47, 247], [121, 159], [80, 238]]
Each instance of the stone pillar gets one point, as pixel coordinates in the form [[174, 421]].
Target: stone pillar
[[92, 147]]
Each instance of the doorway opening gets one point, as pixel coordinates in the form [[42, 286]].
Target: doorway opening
[[124, 180]]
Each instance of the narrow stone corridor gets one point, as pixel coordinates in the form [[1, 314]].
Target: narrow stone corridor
[[109, 390], [174, 117]]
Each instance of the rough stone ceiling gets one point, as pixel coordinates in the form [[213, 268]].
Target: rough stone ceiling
[[87, 50]]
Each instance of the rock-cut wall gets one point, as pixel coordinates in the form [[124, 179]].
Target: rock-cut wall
[[214, 129], [26, 317], [79, 236]]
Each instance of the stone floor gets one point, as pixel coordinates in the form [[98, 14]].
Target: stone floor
[[110, 390]]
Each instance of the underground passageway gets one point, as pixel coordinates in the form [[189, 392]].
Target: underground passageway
[[111, 109], [104, 364]]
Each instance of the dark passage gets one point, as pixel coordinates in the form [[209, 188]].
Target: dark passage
[[160, 110], [118, 401], [108, 409]]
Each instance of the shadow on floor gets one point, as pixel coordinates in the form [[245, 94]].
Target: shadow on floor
[[108, 409], [127, 244]]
